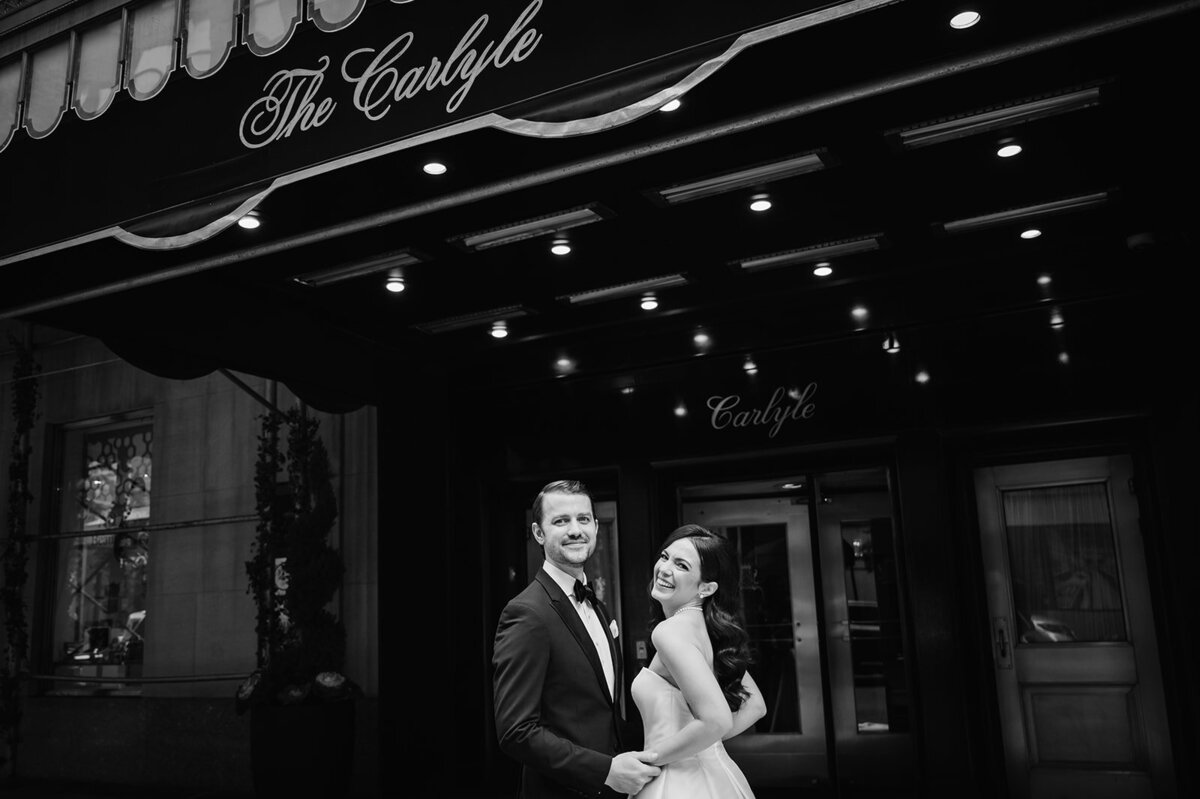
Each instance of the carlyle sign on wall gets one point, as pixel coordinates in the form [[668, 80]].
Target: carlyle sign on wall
[[381, 78], [785, 405]]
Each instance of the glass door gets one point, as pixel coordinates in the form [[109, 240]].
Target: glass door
[[778, 595], [820, 591], [1080, 692], [869, 694]]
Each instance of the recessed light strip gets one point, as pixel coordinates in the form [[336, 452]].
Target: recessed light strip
[[970, 124], [625, 289], [381, 263], [531, 228], [479, 319], [817, 252], [1029, 212], [754, 176]]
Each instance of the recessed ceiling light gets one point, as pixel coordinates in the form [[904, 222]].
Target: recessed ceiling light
[[250, 221], [891, 344], [791, 486], [560, 247], [681, 410], [1056, 319], [434, 168], [1044, 280], [1064, 358], [1031, 233], [1009, 148], [964, 19], [760, 203], [499, 329], [702, 339], [672, 105], [627, 390], [649, 301], [859, 312], [395, 284], [922, 377], [823, 269], [750, 366]]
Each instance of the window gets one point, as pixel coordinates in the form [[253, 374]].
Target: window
[[101, 554]]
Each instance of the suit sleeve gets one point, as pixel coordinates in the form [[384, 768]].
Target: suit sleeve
[[521, 659]]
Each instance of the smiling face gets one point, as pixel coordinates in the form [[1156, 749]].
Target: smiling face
[[567, 531], [677, 578]]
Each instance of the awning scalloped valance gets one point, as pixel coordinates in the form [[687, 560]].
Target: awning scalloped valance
[[138, 47]]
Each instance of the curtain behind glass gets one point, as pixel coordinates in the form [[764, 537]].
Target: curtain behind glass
[[1065, 581]]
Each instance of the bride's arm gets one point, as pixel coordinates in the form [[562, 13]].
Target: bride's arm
[[688, 666], [753, 708]]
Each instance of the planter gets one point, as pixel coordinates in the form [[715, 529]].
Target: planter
[[302, 750]]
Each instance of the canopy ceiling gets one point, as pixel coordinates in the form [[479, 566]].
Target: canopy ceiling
[[890, 120]]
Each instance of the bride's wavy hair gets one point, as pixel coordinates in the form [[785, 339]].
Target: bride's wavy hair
[[731, 649]]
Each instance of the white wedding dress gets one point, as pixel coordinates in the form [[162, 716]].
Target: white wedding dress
[[710, 774]]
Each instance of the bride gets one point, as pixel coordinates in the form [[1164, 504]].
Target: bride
[[696, 691]]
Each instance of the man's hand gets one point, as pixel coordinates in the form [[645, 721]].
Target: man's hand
[[631, 770]]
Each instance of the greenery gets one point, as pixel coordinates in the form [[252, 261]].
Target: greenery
[[14, 561], [294, 572]]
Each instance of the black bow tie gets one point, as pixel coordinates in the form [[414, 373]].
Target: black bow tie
[[583, 592]]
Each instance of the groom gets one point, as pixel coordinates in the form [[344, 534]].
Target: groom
[[558, 667]]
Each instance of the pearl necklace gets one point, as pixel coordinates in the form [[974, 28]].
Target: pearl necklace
[[687, 607]]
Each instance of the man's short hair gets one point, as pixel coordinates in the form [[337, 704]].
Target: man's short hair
[[558, 487]]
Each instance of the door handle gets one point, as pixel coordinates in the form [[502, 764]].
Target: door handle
[[845, 625], [1002, 641]]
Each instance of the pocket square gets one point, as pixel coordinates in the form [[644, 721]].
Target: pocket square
[[612, 628]]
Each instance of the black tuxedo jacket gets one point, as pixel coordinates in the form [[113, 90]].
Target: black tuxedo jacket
[[553, 711]]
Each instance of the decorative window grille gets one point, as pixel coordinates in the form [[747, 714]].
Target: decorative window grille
[[103, 555]]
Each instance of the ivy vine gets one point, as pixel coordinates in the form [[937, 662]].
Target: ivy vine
[[14, 560]]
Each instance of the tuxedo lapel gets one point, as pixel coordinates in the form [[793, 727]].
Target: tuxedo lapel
[[613, 649], [570, 617]]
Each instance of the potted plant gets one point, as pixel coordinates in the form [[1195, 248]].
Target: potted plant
[[299, 699]]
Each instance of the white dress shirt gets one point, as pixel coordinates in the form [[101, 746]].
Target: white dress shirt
[[591, 621]]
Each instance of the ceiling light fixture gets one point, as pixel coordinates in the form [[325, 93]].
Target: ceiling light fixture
[[791, 486], [1031, 233], [671, 105], [1008, 148], [250, 221], [760, 203], [744, 178], [385, 262], [681, 410], [560, 247], [1044, 280], [499, 329], [1056, 318], [823, 269], [1026, 213], [627, 390], [891, 344], [702, 340], [964, 20], [922, 377], [548, 225], [859, 312], [434, 168], [1064, 358], [750, 366], [395, 283], [625, 289], [815, 253], [472, 319], [994, 119], [649, 301]]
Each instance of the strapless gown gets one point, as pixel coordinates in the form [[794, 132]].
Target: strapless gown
[[710, 774]]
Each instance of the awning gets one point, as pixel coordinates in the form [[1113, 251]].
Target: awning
[[269, 100]]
